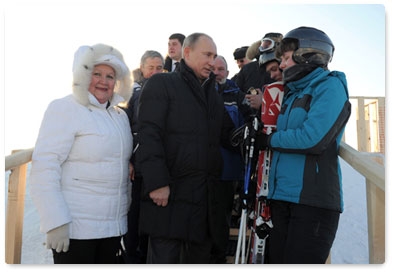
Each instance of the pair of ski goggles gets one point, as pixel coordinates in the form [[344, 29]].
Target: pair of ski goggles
[[266, 45]]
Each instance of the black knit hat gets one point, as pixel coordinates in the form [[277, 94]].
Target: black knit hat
[[240, 52]]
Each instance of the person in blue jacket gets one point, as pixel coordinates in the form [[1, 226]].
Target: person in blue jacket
[[305, 184], [223, 190]]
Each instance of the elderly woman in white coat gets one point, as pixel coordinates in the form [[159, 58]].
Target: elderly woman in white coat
[[80, 166]]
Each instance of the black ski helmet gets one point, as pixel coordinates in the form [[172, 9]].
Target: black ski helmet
[[313, 46]]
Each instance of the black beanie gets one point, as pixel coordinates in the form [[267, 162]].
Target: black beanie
[[240, 53]]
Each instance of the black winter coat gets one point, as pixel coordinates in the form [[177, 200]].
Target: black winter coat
[[181, 126], [168, 64], [252, 75]]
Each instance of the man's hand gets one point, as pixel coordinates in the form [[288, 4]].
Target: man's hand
[[255, 100], [160, 196], [131, 171]]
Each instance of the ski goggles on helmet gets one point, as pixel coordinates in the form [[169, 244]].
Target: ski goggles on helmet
[[266, 45]]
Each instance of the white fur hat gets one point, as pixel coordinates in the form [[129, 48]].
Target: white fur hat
[[86, 58]]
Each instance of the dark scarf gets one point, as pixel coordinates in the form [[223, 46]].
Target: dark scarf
[[297, 72]]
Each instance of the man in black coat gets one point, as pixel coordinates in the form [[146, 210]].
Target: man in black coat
[[182, 123], [174, 51]]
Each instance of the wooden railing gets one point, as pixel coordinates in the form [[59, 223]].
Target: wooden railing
[[374, 172], [362, 162], [17, 163]]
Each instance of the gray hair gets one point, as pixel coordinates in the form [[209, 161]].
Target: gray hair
[[223, 58], [151, 54]]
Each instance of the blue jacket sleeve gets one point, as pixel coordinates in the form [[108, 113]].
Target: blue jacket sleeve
[[313, 131]]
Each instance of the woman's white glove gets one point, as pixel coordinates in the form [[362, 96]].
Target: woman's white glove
[[59, 238]]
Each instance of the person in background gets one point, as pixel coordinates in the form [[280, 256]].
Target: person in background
[[271, 63], [136, 245], [151, 63], [251, 76], [258, 79], [240, 57], [305, 184], [174, 51], [223, 190], [79, 179], [182, 124], [272, 97]]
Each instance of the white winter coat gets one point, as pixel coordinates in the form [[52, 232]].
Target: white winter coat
[[80, 169]]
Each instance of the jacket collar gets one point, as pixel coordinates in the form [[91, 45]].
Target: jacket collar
[[202, 91], [115, 100], [190, 75], [313, 78], [227, 87]]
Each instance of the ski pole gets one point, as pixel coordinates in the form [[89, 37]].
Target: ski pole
[[249, 136]]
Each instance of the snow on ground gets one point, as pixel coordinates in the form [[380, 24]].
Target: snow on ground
[[351, 243], [350, 246]]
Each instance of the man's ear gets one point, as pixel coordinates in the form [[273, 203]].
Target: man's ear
[[186, 52]]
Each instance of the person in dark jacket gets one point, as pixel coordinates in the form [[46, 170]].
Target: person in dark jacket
[[305, 184], [136, 245], [240, 57], [182, 121], [254, 76], [174, 52], [251, 74], [233, 170]]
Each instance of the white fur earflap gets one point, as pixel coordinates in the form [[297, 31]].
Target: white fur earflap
[[253, 50], [86, 57]]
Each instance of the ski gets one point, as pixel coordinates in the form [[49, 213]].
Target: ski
[[250, 131], [271, 105]]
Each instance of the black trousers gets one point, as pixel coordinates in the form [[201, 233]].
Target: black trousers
[[95, 251], [221, 199], [301, 234], [136, 244], [170, 251]]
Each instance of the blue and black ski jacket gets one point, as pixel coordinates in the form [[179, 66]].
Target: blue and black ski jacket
[[305, 166], [239, 111]]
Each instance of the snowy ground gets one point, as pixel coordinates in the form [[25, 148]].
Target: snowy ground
[[350, 246]]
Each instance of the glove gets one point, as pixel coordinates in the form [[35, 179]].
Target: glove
[[58, 238], [261, 141]]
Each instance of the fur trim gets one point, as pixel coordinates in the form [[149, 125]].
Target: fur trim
[[253, 50], [137, 75], [85, 59]]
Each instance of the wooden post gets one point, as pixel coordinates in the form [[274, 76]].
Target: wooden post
[[329, 259], [375, 196], [14, 218], [376, 222], [374, 173], [361, 126], [381, 114]]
